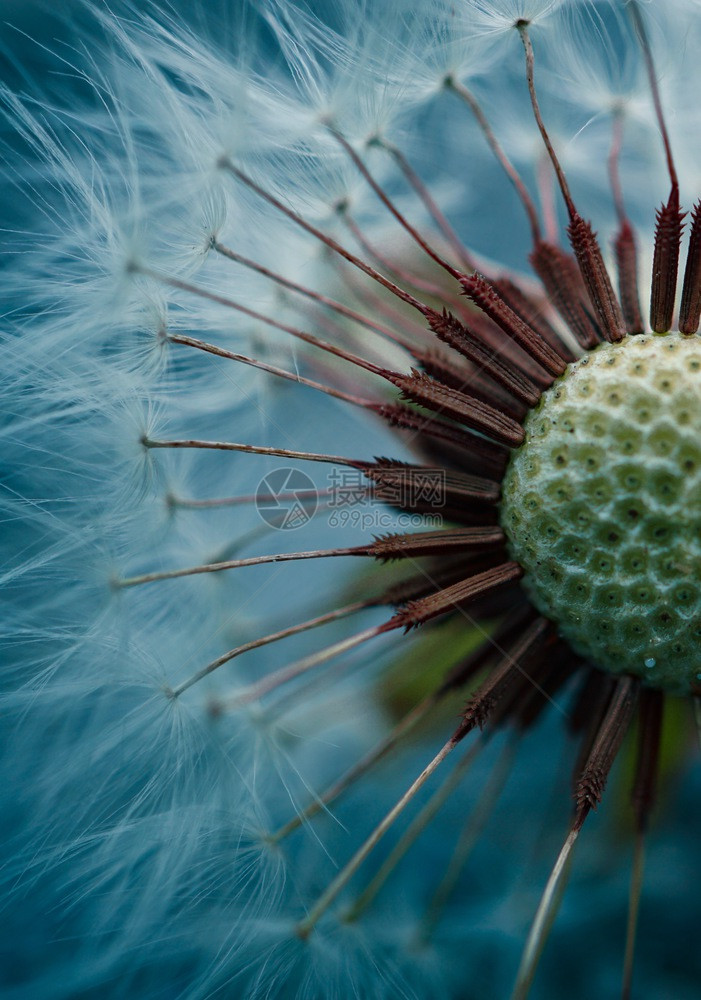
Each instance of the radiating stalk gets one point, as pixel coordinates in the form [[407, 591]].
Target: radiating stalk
[[265, 640], [329, 896], [468, 838], [360, 768], [545, 915], [293, 670], [636, 886], [414, 830]]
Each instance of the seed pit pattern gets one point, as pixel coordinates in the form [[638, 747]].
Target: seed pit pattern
[[619, 573]]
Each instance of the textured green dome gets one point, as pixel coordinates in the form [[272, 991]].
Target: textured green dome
[[602, 507]]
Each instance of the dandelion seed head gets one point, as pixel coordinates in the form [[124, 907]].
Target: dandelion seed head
[[600, 516]]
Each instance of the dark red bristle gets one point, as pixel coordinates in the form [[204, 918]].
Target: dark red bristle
[[580, 713], [585, 717], [451, 371], [418, 612], [459, 406], [515, 663], [456, 335], [491, 456], [454, 496], [560, 665], [432, 543], [627, 265], [562, 281], [422, 488], [527, 688], [504, 347], [478, 289], [531, 313], [613, 727], [591, 264], [443, 573], [486, 455], [649, 734], [468, 378], [502, 637], [665, 264], [690, 310]]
